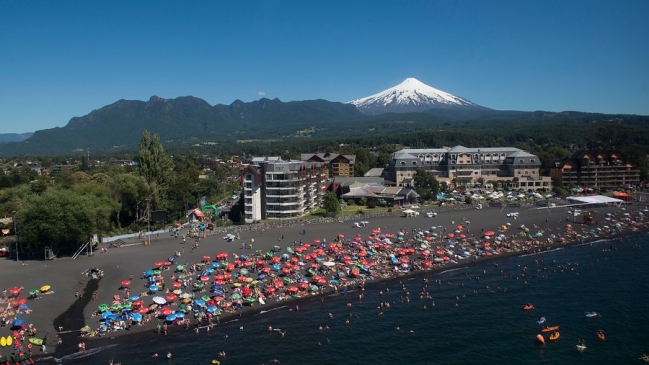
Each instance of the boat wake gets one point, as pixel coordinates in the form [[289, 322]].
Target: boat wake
[[76, 355], [274, 309], [451, 270]]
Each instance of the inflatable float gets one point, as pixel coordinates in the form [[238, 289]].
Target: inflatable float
[[541, 320], [3, 342], [540, 339], [550, 329], [592, 314], [600, 335], [528, 307], [580, 348], [554, 336], [35, 341]]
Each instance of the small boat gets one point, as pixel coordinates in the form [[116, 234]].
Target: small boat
[[644, 358], [554, 336], [540, 340], [550, 329], [541, 320], [528, 307], [581, 348], [592, 314], [600, 335]]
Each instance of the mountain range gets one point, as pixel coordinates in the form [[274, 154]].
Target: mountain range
[[411, 106]]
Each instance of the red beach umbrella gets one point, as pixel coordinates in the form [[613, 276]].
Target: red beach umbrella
[[303, 286], [242, 278], [170, 297], [489, 233], [204, 278], [275, 260], [176, 285], [292, 289], [316, 240], [159, 264], [126, 283], [355, 272], [207, 257], [167, 263], [166, 311], [14, 291], [265, 270], [229, 267], [143, 310], [219, 282], [260, 262], [286, 271], [450, 235], [278, 284], [428, 263], [219, 277]]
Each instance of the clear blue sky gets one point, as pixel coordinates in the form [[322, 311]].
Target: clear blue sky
[[60, 59]]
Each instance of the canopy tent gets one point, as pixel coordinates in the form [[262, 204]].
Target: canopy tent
[[594, 199], [622, 195]]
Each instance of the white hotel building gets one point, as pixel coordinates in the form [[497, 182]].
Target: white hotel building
[[469, 166], [273, 188]]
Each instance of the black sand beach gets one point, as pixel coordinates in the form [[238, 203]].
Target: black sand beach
[[62, 308]]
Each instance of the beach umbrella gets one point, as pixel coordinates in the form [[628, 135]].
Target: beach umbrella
[[45, 288], [204, 278], [134, 298], [176, 284], [106, 314], [17, 322], [137, 317], [34, 292], [170, 297], [180, 315], [153, 288], [102, 307], [199, 302], [15, 291], [211, 309], [166, 311], [171, 317], [159, 300], [157, 272]]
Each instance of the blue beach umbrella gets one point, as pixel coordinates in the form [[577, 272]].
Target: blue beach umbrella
[[153, 288], [137, 317], [180, 315], [18, 322], [23, 307], [216, 264], [106, 315], [209, 270], [211, 309], [148, 273], [134, 298], [171, 317], [199, 302]]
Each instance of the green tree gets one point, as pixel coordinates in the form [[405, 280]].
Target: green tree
[[64, 218], [153, 163], [426, 184], [330, 203]]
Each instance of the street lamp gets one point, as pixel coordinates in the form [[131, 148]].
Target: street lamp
[[15, 233]]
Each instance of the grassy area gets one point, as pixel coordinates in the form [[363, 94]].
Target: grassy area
[[349, 210]]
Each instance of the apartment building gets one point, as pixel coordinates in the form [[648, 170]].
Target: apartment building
[[336, 164], [460, 165], [277, 189], [596, 169]]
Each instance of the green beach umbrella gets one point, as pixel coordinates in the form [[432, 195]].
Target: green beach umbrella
[[205, 298], [236, 295], [34, 292], [103, 307], [180, 267]]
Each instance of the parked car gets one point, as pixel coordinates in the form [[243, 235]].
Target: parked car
[[512, 214], [431, 214]]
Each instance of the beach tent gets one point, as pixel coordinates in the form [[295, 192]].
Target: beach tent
[[594, 199]]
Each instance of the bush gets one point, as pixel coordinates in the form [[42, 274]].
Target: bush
[[371, 204], [363, 201], [360, 211]]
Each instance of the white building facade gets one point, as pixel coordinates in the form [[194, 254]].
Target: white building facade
[[471, 167], [277, 189]]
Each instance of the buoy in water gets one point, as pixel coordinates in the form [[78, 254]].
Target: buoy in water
[[540, 339]]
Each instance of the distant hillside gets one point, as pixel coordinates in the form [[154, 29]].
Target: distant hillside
[[186, 121], [14, 137], [182, 120]]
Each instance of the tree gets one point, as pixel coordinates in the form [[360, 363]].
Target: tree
[[64, 218], [330, 203], [153, 163], [426, 184]]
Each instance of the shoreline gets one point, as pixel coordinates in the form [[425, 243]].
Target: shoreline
[[148, 331]]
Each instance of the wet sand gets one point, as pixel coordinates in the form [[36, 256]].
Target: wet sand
[[65, 275]]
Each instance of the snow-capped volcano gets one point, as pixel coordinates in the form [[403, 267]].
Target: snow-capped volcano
[[411, 95]]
